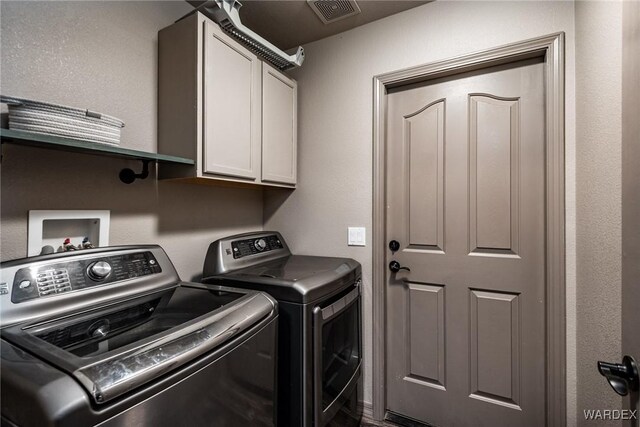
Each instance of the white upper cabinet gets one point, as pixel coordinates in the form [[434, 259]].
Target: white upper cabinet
[[219, 104], [231, 142], [279, 127]]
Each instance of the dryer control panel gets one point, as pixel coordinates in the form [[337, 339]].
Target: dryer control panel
[[247, 247], [244, 250]]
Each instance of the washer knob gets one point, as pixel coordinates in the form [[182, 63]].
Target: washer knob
[[260, 245], [99, 329], [99, 270]]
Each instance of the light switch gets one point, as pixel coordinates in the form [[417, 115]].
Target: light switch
[[357, 236]]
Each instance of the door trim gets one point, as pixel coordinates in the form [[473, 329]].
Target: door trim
[[551, 49]]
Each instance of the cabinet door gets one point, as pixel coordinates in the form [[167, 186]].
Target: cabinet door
[[279, 127], [231, 107]]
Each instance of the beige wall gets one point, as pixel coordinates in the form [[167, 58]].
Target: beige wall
[[598, 198], [335, 160], [102, 56]]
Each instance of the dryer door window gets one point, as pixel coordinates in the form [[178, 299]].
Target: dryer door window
[[337, 353]]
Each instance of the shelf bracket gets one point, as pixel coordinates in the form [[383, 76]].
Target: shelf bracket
[[128, 176]]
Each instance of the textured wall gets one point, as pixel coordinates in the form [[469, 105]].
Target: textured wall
[[598, 177], [335, 128], [102, 56], [631, 183]]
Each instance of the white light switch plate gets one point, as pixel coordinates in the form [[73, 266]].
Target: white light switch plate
[[357, 236]]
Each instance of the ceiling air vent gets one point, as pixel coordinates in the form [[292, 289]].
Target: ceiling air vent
[[334, 10]]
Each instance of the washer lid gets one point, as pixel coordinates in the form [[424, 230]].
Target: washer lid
[[296, 278], [115, 349]]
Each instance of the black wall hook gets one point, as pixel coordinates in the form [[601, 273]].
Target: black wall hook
[[623, 377], [128, 176]]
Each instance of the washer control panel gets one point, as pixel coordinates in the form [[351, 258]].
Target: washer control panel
[[48, 282], [72, 275], [246, 247]]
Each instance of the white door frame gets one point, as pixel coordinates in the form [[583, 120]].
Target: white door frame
[[551, 49]]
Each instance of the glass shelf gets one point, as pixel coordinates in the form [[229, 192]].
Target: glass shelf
[[73, 145]]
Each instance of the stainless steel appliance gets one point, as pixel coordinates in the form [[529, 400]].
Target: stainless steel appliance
[[319, 338], [111, 336]]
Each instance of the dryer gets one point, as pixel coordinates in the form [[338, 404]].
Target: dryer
[[319, 335]]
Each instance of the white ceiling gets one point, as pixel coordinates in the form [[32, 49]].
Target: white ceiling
[[291, 23]]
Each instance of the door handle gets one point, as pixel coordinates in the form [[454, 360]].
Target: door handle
[[621, 376], [394, 245], [395, 266]]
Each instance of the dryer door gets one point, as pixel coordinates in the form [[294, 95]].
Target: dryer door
[[337, 354]]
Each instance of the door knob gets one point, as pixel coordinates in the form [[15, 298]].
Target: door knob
[[394, 245], [395, 266], [621, 376]]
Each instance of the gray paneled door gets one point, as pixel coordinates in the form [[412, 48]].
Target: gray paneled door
[[466, 201]]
